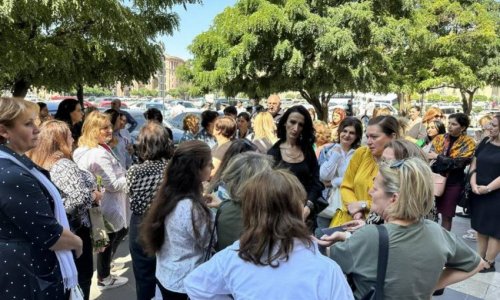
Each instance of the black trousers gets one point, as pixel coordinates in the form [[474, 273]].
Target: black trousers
[[169, 295], [144, 266], [104, 258], [85, 263]]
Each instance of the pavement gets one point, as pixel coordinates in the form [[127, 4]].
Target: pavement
[[480, 286]]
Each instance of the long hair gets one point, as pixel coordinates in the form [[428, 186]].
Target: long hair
[[307, 137], [52, 144], [64, 110], [272, 204], [92, 129], [182, 180], [264, 127]]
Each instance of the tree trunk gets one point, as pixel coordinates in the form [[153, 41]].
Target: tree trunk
[[401, 103], [319, 105], [467, 97], [79, 94], [20, 88]]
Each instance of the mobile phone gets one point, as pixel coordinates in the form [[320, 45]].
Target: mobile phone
[[329, 231]]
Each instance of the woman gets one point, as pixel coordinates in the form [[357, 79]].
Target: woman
[[272, 205], [338, 115], [241, 168], [94, 155], [236, 147], [207, 128], [154, 149], [322, 135], [485, 184], [432, 114], [224, 131], [119, 143], [176, 227], [264, 131], [358, 178], [434, 128], [34, 230], [44, 114], [294, 151], [436, 257], [244, 126], [191, 126], [70, 111], [451, 153], [78, 189], [334, 160]]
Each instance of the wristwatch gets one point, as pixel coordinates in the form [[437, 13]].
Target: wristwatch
[[363, 205]]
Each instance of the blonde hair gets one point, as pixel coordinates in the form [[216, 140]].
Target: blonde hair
[[484, 118], [322, 133], [264, 127], [92, 129], [226, 125], [416, 199], [12, 108], [52, 144], [431, 113], [241, 168], [190, 121]]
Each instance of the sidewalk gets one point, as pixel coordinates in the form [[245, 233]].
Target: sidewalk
[[480, 286]]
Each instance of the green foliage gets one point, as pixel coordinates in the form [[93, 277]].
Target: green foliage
[[96, 91], [441, 98], [316, 48], [61, 44], [481, 98], [143, 92]]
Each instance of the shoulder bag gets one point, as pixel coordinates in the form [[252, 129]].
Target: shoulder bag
[[377, 292]]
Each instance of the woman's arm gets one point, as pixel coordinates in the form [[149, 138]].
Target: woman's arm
[[69, 179], [451, 276], [105, 167], [68, 241], [328, 168]]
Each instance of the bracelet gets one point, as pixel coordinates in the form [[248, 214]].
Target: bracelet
[[488, 189]]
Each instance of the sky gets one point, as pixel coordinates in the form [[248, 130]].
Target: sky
[[194, 20]]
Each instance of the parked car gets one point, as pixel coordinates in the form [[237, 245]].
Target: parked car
[[138, 115], [106, 104]]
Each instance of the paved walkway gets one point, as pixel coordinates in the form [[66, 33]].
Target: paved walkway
[[481, 286]]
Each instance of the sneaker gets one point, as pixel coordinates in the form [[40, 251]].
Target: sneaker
[[116, 266], [111, 282], [469, 236]]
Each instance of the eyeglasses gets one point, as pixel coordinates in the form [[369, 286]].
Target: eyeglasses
[[397, 164]]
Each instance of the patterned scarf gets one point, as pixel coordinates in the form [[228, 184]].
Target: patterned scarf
[[463, 147]]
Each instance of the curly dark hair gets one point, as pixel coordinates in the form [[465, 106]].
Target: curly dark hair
[[307, 137], [182, 179]]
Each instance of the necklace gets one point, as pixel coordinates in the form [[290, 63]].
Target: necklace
[[292, 157]]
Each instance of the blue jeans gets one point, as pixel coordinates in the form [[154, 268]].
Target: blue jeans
[[144, 266]]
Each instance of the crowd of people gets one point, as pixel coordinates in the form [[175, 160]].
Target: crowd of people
[[264, 204]]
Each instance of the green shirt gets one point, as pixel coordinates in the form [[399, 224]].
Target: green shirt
[[417, 255]]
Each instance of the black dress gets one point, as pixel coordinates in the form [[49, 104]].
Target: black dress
[[28, 268], [485, 209]]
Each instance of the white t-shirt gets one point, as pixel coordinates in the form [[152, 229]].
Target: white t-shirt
[[306, 275]]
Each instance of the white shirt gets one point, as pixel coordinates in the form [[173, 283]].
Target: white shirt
[[334, 168], [181, 251], [306, 275], [114, 202]]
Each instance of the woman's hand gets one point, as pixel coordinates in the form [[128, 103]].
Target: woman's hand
[[432, 155], [354, 225], [305, 213], [474, 189], [358, 216], [328, 240], [97, 196], [354, 207], [212, 201], [482, 189]]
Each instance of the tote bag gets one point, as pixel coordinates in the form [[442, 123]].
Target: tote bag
[[334, 203]]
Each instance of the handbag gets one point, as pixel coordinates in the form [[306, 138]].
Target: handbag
[[340, 218], [99, 235], [334, 203], [439, 184], [464, 200], [211, 247], [377, 292]]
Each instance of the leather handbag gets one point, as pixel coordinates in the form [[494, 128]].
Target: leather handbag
[[377, 292], [439, 184]]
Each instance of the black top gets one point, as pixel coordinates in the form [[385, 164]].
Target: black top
[[28, 229], [487, 163], [306, 171]]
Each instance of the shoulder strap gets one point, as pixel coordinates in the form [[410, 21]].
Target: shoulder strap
[[383, 255], [208, 253]]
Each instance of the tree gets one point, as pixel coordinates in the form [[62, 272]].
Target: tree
[[317, 48], [62, 44], [464, 53]]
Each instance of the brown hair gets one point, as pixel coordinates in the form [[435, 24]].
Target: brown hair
[[52, 144], [272, 204], [182, 180], [388, 125], [431, 113], [189, 122], [226, 125], [13, 108], [405, 149], [322, 133], [154, 142]]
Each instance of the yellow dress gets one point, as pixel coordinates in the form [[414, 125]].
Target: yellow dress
[[358, 178]]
